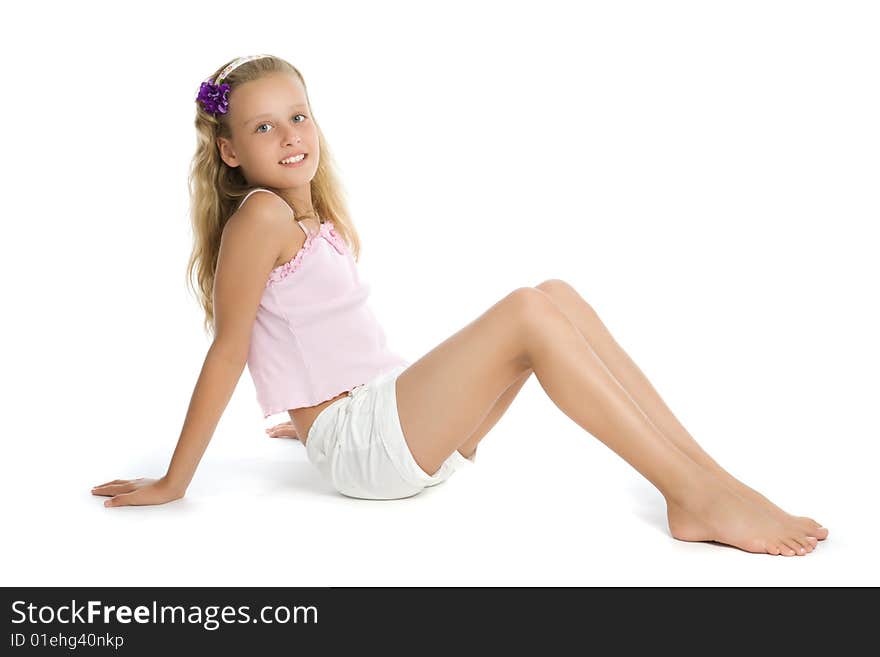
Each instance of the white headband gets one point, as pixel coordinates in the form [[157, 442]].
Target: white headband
[[234, 65]]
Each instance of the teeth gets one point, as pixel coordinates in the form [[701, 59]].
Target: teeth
[[291, 160]]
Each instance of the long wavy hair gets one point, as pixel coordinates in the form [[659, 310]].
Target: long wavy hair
[[215, 189]]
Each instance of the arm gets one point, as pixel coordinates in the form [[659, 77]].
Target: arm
[[220, 374], [249, 246]]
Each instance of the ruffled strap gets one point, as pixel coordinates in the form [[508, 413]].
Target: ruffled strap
[[328, 232], [333, 237]]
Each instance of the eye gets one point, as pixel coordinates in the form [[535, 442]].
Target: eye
[[262, 124]]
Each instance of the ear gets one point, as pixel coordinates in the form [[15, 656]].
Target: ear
[[226, 152]]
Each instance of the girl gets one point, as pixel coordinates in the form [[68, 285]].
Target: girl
[[274, 252]]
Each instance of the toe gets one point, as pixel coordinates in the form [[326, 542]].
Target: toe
[[819, 534], [818, 530], [803, 545], [788, 547]]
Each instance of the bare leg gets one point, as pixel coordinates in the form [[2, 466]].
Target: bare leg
[[644, 394], [445, 395], [469, 447]]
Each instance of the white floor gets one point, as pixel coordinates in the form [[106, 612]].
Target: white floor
[[546, 504]]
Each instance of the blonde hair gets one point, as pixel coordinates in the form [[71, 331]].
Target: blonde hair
[[215, 189]]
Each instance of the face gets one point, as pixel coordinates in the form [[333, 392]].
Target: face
[[271, 120]]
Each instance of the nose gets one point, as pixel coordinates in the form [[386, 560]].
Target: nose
[[293, 137]]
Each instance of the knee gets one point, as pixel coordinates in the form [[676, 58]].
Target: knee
[[559, 290], [530, 304], [533, 316], [555, 287]]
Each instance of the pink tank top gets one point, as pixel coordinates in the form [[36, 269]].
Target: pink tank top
[[314, 335]]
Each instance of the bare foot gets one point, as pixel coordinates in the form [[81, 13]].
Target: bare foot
[[803, 523], [716, 513]]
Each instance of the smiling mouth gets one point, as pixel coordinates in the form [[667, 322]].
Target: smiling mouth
[[290, 164]]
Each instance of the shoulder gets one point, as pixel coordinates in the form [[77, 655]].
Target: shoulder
[[258, 227], [262, 215], [262, 207]]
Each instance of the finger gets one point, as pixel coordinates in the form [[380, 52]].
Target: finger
[[123, 499], [115, 486], [107, 485], [115, 489], [115, 481], [280, 427]]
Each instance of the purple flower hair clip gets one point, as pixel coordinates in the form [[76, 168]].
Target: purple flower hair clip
[[214, 96]]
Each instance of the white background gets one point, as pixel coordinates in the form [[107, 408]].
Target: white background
[[704, 173]]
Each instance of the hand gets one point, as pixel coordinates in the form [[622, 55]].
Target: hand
[[138, 492], [283, 430]]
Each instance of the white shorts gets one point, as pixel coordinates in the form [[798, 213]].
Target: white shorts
[[357, 444]]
